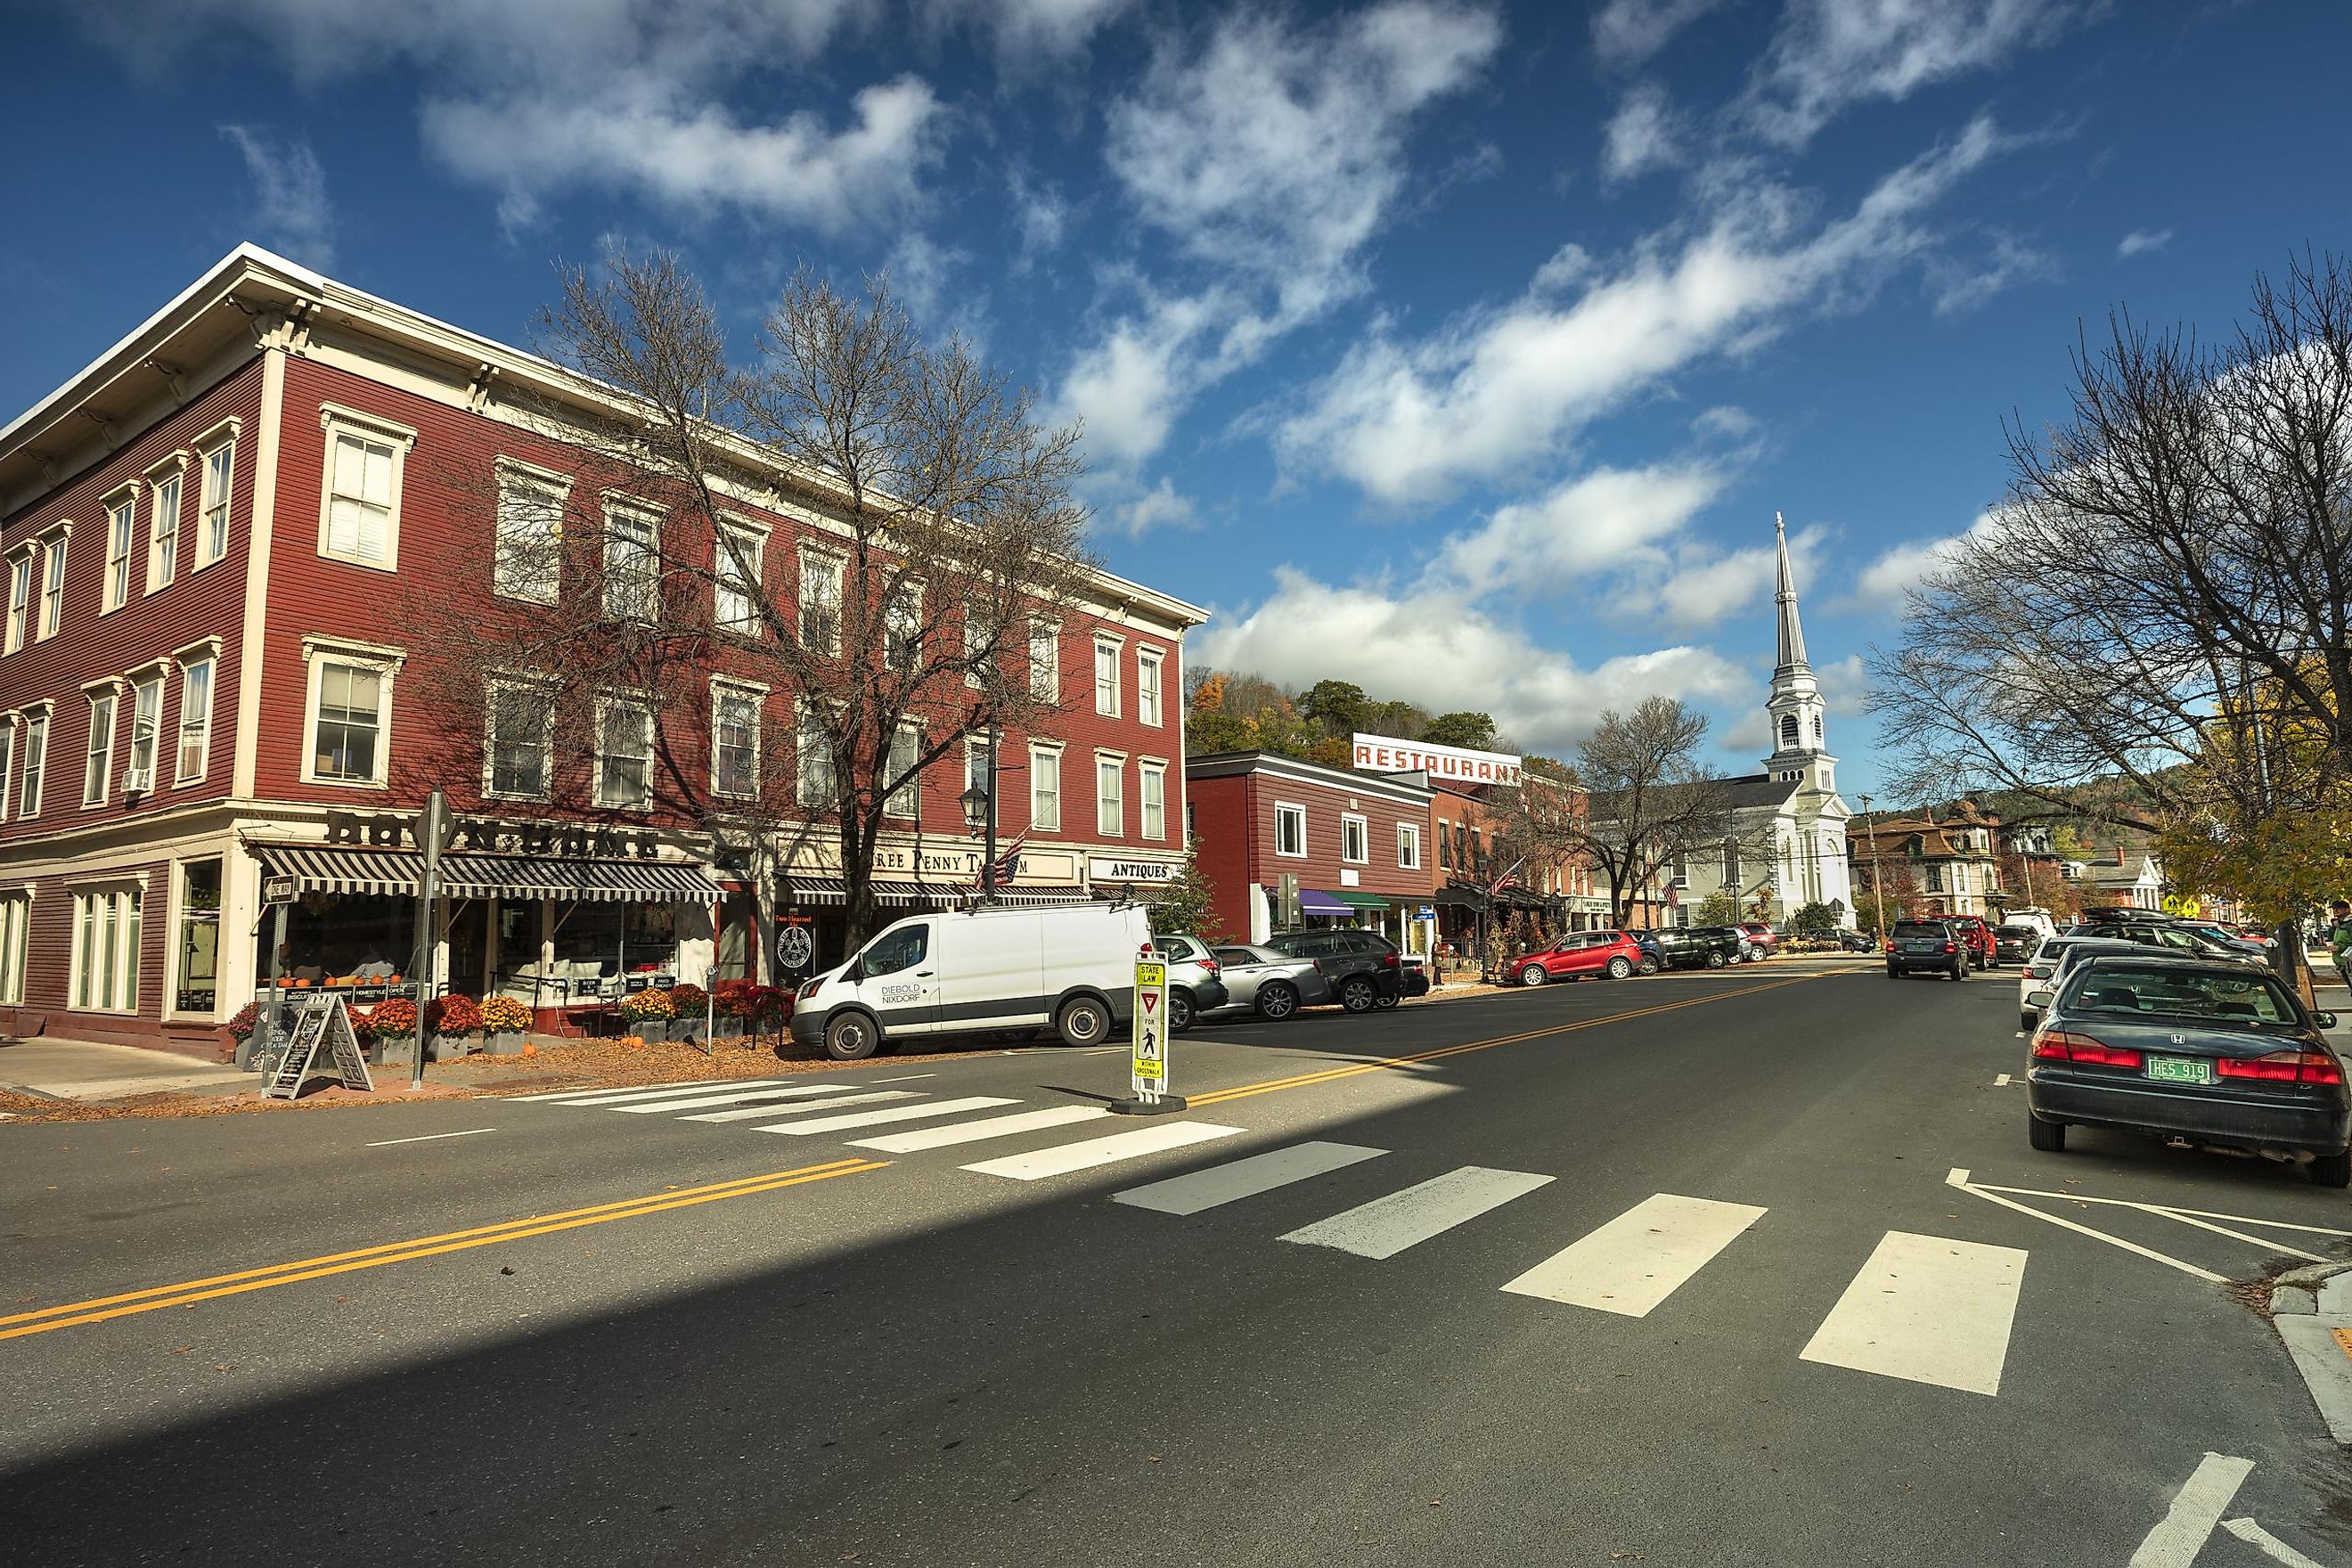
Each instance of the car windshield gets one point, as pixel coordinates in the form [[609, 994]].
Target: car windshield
[[2182, 994]]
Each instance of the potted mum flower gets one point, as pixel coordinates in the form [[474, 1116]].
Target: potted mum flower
[[392, 1024], [650, 1013], [452, 1021], [505, 1020], [691, 1005]]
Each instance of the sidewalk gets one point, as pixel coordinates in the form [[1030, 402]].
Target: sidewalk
[[52, 1069]]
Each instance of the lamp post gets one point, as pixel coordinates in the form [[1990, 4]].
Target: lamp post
[[1877, 904], [980, 815]]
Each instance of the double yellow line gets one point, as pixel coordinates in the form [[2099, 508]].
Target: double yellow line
[[1389, 1064], [188, 1292]]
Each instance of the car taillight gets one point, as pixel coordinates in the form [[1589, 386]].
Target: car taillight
[[1208, 966], [2058, 1046], [1949, 947], [1890, 947], [1388, 961], [2282, 1066]]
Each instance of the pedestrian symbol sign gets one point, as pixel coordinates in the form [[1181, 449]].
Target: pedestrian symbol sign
[[1149, 1067]]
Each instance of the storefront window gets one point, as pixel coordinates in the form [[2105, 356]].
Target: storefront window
[[199, 942], [105, 949], [347, 937], [619, 938]]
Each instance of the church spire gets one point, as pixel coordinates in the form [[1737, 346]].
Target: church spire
[[1793, 630]]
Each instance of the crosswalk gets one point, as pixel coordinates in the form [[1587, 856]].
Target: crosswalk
[[1925, 1308]]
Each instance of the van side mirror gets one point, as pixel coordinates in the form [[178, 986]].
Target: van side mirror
[[2037, 998]]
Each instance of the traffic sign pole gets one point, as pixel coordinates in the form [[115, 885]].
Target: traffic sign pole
[[1147, 1058]]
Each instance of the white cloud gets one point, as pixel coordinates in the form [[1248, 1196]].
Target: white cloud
[[291, 214], [1159, 507], [1958, 288], [1040, 215], [1829, 54], [1032, 32], [1628, 32], [2140, 241], [1601, 523], [1644, 134], [1879, 586], [1498, 390], [918, 269]]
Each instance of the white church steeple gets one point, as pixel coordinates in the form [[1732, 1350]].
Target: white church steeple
[[1800, 743]]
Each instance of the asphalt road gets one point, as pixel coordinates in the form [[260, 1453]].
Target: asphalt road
[[575, 1333]]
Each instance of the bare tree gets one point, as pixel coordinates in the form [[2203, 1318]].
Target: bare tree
[[780, 687], [2164, 598]]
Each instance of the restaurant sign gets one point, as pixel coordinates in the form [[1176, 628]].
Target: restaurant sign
[[1454, 765], [579, 840]]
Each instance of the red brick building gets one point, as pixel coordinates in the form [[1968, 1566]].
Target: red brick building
[[222, 540], [1358, 842]]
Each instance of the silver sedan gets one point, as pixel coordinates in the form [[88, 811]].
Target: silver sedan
[[1275, 984]]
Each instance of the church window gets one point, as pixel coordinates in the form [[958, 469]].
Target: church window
[[1817, 729], [1788, 731]]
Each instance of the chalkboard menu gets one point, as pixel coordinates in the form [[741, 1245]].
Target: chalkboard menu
[[320, 1021]]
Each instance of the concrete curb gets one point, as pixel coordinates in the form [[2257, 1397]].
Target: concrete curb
[[2311, 1308]]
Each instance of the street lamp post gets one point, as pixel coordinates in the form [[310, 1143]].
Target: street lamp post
[[1877, 904], [980, 815]]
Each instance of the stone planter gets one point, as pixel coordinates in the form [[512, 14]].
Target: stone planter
[[653, 1031], [449, 1047], [393, 1050], [725, 1028], [507, 1045]]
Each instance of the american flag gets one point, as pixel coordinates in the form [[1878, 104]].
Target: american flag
[[1509, 878], [1008, 863]]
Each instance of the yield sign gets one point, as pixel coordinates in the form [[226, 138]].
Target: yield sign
[[1150, 1000]]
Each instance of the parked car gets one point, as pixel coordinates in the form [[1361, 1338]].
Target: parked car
[[1364, 967], [2046, 971], [1933, 946], [1579, 956], [2226, 937], [1851, 941], [1275, 984], [1647, 941], [2168, 933], [1762, 937], [1696, 947], [2220, 1054], [2013, 941], [1070, 966], [1976, 935], [1416, 975], [1195, 983]]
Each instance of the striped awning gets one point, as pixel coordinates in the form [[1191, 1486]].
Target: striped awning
[[832, 891], [1043, 894], [344, 869]]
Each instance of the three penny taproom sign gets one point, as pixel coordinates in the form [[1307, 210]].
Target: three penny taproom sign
[[488, 835], [320, 1021]]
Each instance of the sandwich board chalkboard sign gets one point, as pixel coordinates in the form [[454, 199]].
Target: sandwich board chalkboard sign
[[320, 1021]]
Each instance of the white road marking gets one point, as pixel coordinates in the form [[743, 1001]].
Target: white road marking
[[616, 1096], [2265, 1242], [2169, 1210], [2000, 1081], [1086, 1156], [639, 1089], [909, 1077], [876, 1118], [1927, 1309], [746, 1112], [977, 1131], [1959, 1177], [2021, 1033], [732, 1097], [2189, 1524], [1639, 1258], [2254, 1534], [1386, 1226], [429, 1137], [1245, 1178]]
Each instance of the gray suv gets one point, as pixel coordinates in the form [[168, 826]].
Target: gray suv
[[1364, 967], [1194, 980]]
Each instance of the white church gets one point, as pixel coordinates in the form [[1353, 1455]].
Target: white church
[[1791, 842]]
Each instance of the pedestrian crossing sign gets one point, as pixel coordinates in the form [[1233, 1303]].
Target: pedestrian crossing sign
[[1149, 1066]]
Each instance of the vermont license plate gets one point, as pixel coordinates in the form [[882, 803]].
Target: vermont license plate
[[2181, 1069]]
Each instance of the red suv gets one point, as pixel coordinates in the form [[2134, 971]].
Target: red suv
[[1978, 937], [1572, 957], [1762, 937]]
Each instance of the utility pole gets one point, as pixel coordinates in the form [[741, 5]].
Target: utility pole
[[432, 832], [1877, 903]]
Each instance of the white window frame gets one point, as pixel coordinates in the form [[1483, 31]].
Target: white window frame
[[975, 772], [33, 769], [724, 690], [112, 912], [20, 596], [8, 723], [97, 757], [632, 592], [905, 802], [121, 509], [204, 656], [1293, 811], [1111, 807], [736, 576], [1151, 800], [217, 488], [319, 652], [147, 691], [167, 502], [544, 487], [15, 927], [816, 608], [340, 424], [1106, 701], [1045, 805], [902, 619], [609, 706], [812, 763], [1150, 694], [53, 580], [1364, 836], [1408, 846], [974, 648], [1045, 674], [493, 689]]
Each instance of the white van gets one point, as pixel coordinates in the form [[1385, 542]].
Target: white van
[[970, 971]]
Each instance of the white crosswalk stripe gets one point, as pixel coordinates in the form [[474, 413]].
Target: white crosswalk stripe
[[733, 1096], [1927, 1309], [644, 1091], [977, 1131], [1243, 1178], [1638, 1259], [1097, 1152], [775, 1108], [1386, 1226], [875, 1118]]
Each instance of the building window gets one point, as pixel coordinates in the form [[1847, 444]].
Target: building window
[[734, 741], [212, 503], [53, 588], [101, 759], [736, 577], [16, 925], [1147, 685], [820, 604], [902, 626], [527, 561], [351, 716], [146, 722], [624, 752], [1788, 731], [1290, 831], [164, 536], [632, 566], [1110, 795], [906, 800], [122, 527], [36, 756], [1046, 788], [521, 740], [819, 781], [1045, 662], [1152, 779], [1934, 880], [196, 965], [106, 950], [20, 595], [194, 755], [1408, 847], [1445, 846], [1107, 678], [361, 520], [7, 760], [975, 766], [977, 643], [1354, 839]]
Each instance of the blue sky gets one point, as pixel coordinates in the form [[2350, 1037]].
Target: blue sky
[[1462, 350]]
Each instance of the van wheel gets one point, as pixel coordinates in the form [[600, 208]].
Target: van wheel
[[1358, 995], [1179, 1011], [1083, 1021], [851, 1038], [1619, 968], [1277, 1000]]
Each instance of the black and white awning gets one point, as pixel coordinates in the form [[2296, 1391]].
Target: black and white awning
[[349, 868]]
